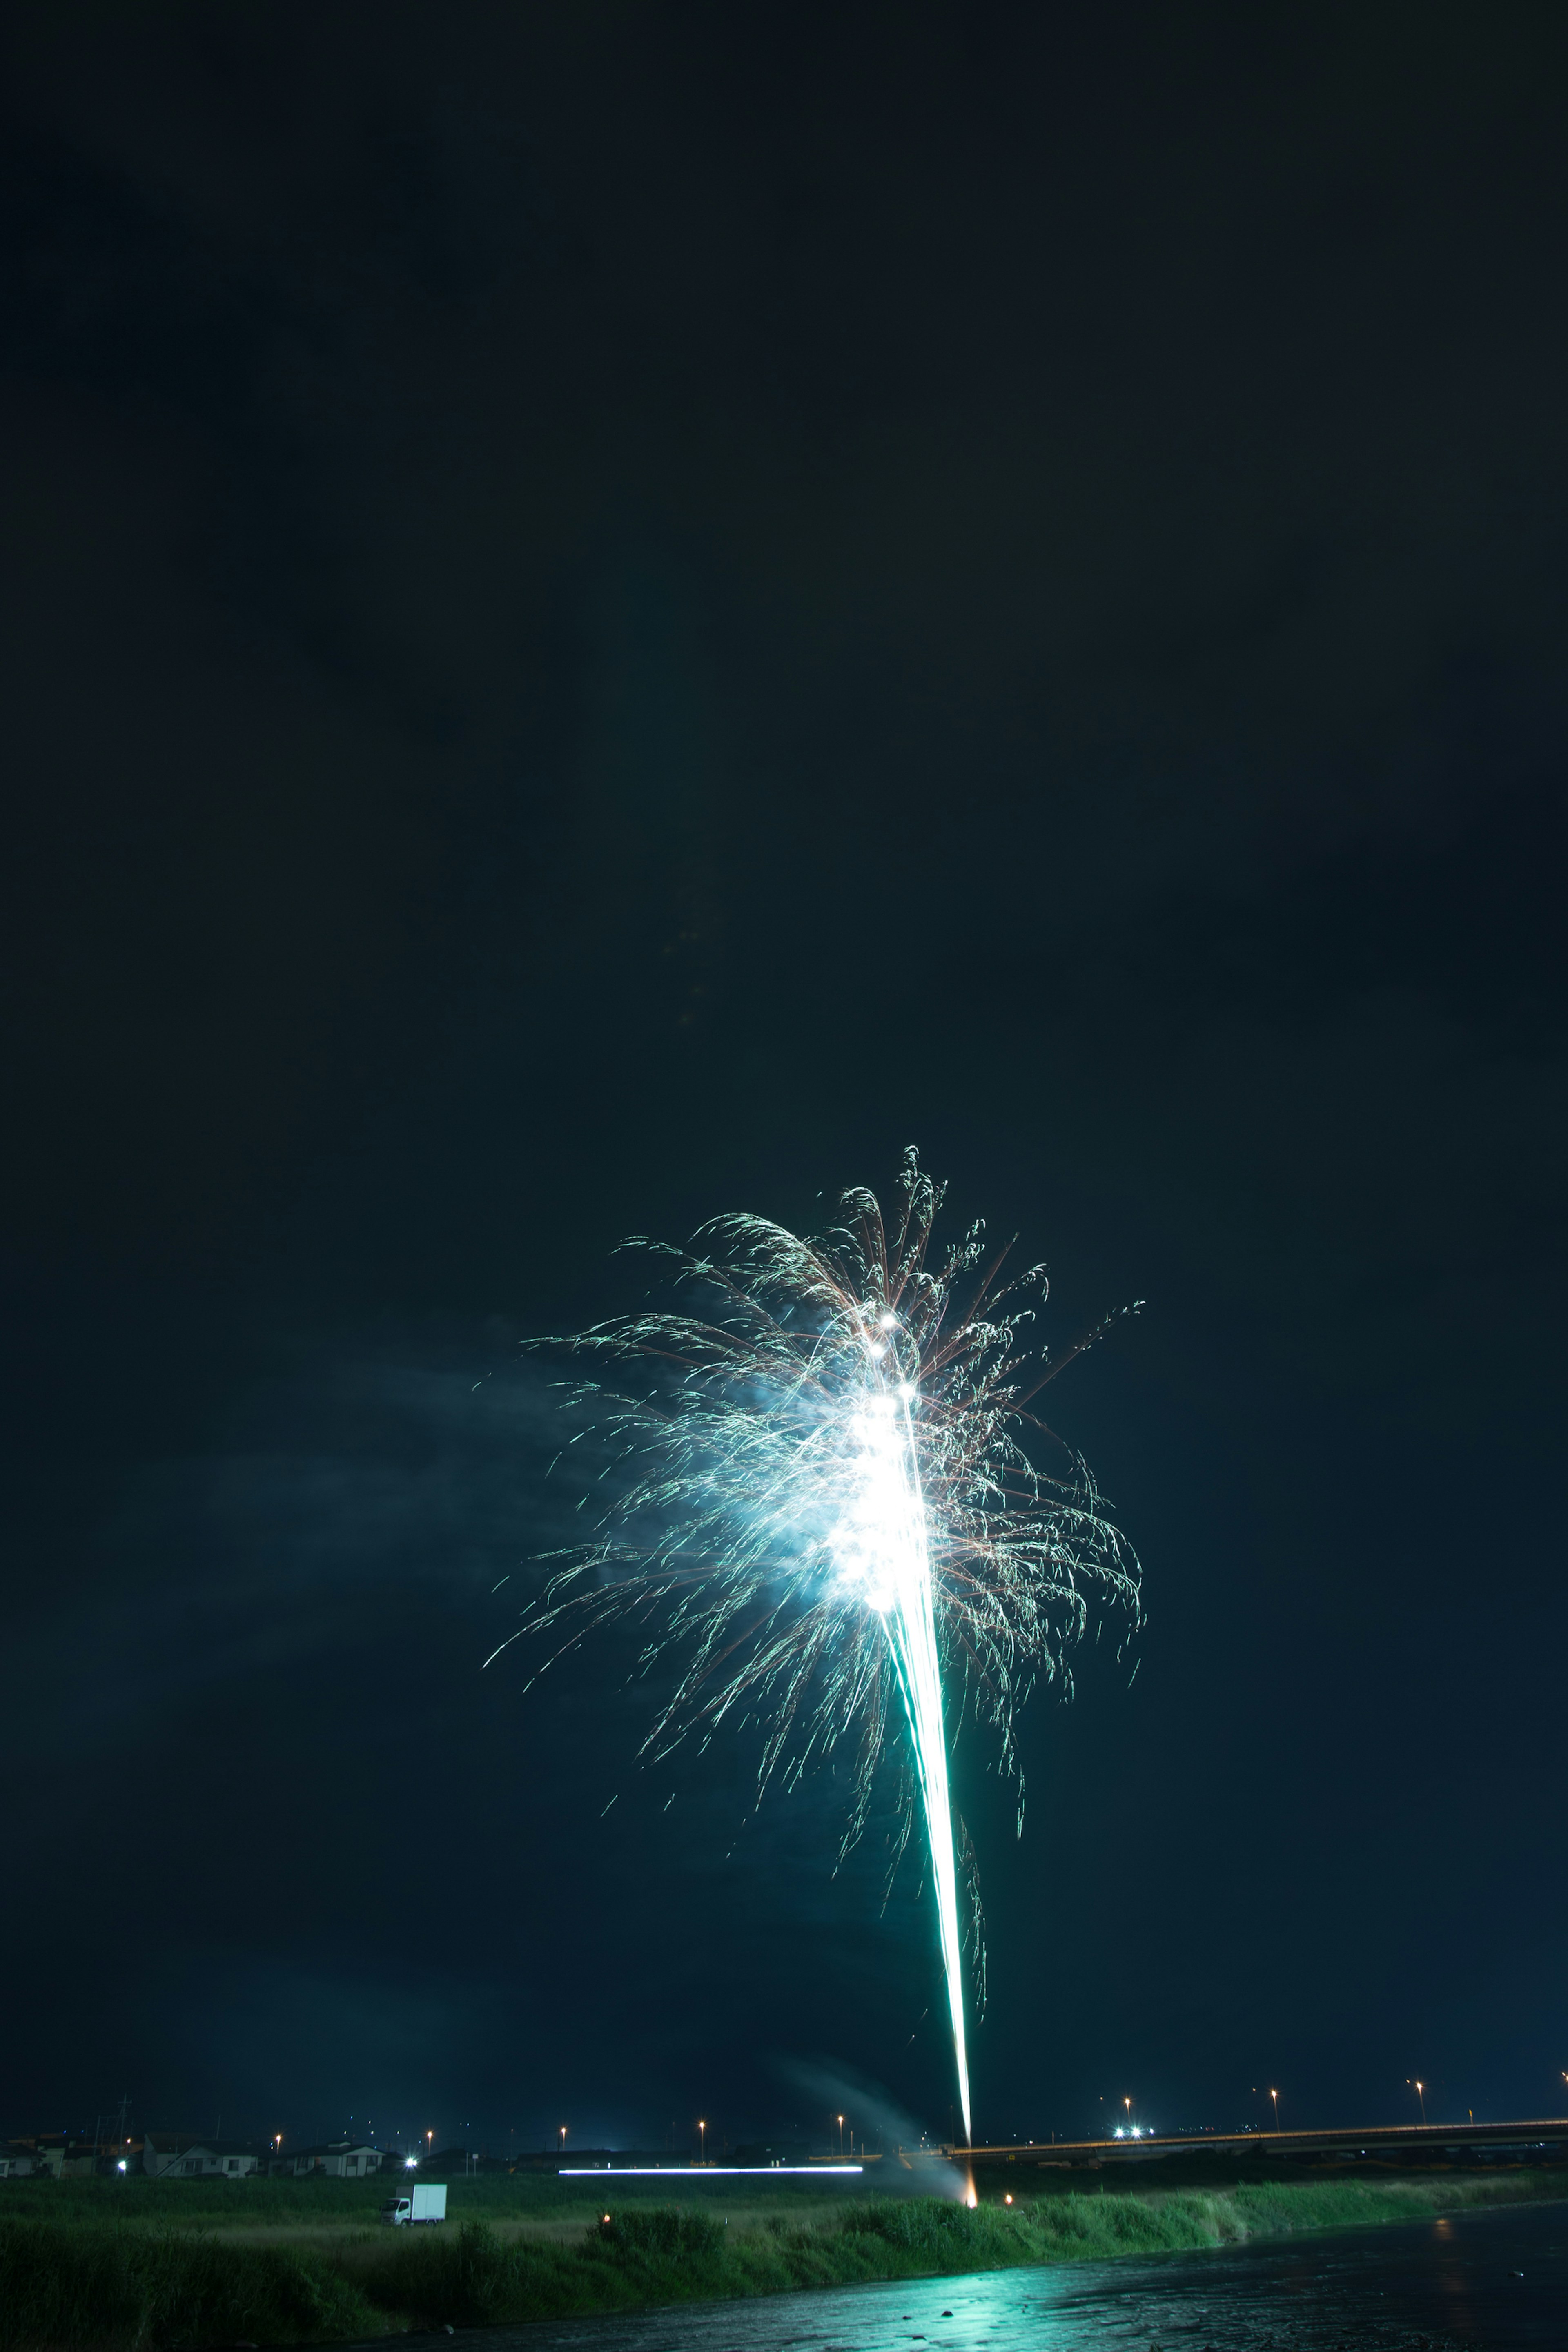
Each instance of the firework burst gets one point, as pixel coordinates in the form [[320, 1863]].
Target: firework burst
[[822, 1485]]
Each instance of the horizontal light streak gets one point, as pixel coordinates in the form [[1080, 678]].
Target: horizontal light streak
[[684, 2171]]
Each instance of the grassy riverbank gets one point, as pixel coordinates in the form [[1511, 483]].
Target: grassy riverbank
[[140, 2286]]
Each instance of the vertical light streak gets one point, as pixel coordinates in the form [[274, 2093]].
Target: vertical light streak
[[912, 1633], [886, 1544]]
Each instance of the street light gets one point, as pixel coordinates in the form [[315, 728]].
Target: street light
[[1421, 2094], [1275, 2096], [703, 2140], [841, 2134], [562, 2139]]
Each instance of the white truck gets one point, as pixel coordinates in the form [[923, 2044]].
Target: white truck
[[425, 2200]]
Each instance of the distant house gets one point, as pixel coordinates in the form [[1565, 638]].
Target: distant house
[[59, 2157], [177, 2156], [338, 2159]]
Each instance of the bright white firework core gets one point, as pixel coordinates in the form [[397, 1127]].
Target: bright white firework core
[[881, 1545]]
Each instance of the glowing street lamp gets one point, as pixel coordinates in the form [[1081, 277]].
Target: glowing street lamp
[[841, 2134], [1421, 2094], [1275, 2096], [563, 2130], [703, 2140]]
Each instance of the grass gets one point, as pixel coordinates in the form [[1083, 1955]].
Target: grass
[[103, 2280], [84, 2287], [289, 2207]]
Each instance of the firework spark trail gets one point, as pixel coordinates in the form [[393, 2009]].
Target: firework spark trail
[[827, 1489]]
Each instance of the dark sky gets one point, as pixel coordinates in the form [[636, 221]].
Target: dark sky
[[613, 612]]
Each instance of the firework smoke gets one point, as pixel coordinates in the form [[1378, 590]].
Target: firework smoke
[[822, 1485]]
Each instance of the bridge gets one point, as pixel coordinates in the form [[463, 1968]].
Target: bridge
[[1430, 2143]]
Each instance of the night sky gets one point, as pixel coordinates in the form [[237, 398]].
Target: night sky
[[617, 612]]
